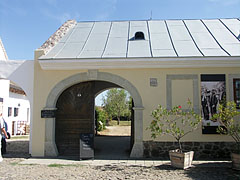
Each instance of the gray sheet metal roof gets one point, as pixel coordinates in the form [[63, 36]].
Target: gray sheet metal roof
[[163, 38]]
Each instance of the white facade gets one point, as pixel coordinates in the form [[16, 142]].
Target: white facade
[[16, 109], [16, 106]]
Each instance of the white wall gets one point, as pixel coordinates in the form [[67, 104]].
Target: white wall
[[4, 88], [21, 73], [14, 100], [21, 102]]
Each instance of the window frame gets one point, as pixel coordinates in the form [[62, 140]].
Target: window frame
[[10, 110], [16, 112]]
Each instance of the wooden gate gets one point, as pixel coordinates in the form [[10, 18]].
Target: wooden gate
[[75, 115]]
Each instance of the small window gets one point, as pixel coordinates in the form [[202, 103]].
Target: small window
[[16, 111], [139, 35], [236, 91], [9, 111]]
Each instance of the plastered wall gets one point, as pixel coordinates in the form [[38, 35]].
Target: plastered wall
[[182, 89]]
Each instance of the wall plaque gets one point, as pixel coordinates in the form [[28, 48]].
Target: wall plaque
[[48, 113], [86, 146], [153, 82]]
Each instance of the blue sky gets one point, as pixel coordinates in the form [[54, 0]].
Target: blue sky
[[26, 24]]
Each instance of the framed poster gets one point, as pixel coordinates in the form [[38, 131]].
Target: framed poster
[[213, 93]]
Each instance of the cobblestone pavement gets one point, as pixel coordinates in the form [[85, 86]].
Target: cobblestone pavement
[[12, 169]]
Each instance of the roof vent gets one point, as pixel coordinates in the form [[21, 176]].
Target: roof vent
[[139, 36]]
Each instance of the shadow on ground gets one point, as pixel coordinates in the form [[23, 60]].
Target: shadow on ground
[[17, 149], [198, 172], [112, 147]]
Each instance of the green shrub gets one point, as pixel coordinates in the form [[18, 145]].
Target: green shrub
[[101, 117], [228, 125], [174, 122]]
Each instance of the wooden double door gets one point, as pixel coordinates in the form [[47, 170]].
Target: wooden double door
[[75, 115]]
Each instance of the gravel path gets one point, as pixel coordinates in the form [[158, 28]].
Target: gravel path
[[10, 169]]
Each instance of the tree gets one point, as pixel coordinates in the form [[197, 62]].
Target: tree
[[226, 115], [174, 122], [115, 103]]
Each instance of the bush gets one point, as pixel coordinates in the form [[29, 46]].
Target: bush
[[101, 117], [229, 125], [174, 122]]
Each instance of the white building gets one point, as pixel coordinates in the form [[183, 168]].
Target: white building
[[16, 106]]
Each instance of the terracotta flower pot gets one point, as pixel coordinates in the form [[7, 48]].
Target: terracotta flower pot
[[235, 161], [181, 160]]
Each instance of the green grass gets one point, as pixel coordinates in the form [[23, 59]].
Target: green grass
[[122, 123], [14, 163]]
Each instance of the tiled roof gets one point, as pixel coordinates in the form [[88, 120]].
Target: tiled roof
[[162, 38]]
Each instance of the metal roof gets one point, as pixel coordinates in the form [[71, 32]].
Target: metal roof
[[162, 38]]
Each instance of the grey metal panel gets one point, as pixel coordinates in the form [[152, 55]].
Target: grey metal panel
[[204, 39], [70, 50], [96, 41], [101, 28], [163, 53], [182, 41], [119, 29], [91, 54], [213, 52], [138, 48], [84, 25], [227, 40], [160, 40], [233, 25], [157, 27], [116, 47], [52, 53], [79, 35], [117, 41]]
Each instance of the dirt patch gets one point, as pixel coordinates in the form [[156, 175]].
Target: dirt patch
[[116, 131]]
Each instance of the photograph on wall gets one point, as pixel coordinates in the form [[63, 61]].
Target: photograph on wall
[[213, 93]]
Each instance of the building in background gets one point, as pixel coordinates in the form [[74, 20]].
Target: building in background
[[16, 106]]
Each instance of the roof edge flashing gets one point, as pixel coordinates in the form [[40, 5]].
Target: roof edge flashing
[[137, 63]]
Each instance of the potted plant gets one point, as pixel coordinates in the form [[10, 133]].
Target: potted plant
[[229, 126], [177, 123]]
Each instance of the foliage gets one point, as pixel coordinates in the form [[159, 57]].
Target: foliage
[[115, 103], [174, 122], [228, 125], [130, 106], [101, 117], [122, 123]]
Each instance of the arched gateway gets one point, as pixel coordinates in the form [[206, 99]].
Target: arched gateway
[[92, 82]]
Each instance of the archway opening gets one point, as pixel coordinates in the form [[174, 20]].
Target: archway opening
[[16, 115], [76, 115], [114, 119]]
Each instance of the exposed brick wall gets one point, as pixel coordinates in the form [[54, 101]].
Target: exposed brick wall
[[55, 38]]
